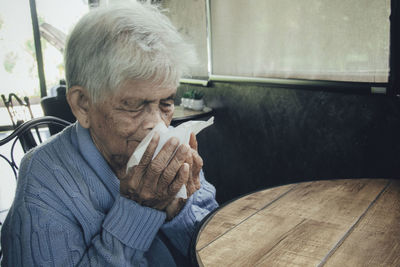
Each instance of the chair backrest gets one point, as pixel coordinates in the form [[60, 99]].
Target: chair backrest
[[20, 133], [18, 109], [57, 105]]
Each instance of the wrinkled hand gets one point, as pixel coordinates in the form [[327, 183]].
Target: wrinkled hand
[[155, 183], [193, 183]]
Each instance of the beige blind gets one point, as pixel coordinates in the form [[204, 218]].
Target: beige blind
[[344, 40], [189, 16]]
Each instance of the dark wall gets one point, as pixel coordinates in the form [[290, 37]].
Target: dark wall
[[270, 136]]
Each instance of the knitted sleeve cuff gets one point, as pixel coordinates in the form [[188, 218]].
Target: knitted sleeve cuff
[[196, 208], [132, 224], [180, 229]]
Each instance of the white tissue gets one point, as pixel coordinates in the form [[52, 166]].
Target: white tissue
[[182, 132]]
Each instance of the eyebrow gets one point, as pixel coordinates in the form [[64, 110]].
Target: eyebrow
[[131, 102], [172, 96]]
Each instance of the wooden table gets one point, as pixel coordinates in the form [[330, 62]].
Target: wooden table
[[354, 222], [182, 114]]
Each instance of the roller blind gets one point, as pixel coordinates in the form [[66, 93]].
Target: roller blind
[[189, 17], [343, 40], [340, 40]]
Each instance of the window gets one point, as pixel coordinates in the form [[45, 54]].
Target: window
[[56, 19], [18, 69], [190, 19], [18, 65], [310, 39]]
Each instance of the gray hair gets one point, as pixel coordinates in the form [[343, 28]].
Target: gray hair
[[111, 45]]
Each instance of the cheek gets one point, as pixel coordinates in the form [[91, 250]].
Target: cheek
[[126, 128], [113, 132], [105, 125], [120, 126]]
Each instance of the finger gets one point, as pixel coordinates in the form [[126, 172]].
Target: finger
[[166, 152], [196, 181], [130, 180], [197, 163], [193, 185], [173, 167], [190, 186], [129, 184], [151, 148], [189, 158], [193, 141], [128, 174], [138, 177], [173, 208], [159, 163], [180, 179], [135, 178]]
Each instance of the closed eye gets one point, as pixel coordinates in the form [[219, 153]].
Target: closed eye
[[131, 107], [129, 110], [166, 104]]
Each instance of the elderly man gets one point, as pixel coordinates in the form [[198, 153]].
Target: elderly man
[[75, 204]]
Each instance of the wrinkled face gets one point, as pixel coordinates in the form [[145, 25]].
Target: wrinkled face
[[124, 118]]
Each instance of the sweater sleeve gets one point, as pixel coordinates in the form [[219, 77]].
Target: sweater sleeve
[[43, 237], [56, 221], [181, 229]]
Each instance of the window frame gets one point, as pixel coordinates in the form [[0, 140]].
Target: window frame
[[391, 88]]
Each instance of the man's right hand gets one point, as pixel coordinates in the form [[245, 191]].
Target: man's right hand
[[155, 183]]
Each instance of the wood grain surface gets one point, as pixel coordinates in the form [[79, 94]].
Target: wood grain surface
[[181, 113], [353, 222]]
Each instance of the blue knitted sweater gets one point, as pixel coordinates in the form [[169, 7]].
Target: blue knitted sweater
[[68, 211]]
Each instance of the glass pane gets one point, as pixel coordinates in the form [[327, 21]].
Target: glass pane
[[189, 17], [312, 39], [18, 70], [18, 74], [56, 19]]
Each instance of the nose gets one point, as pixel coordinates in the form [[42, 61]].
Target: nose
[[152, 117]]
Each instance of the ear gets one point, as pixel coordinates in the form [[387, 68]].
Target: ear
[[79, 101]]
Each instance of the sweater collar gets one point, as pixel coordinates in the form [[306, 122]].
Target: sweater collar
[[96, 160]]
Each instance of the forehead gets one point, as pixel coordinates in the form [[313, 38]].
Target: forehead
[[143, 90]]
